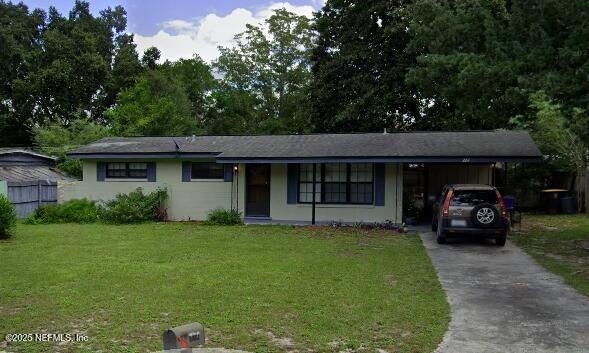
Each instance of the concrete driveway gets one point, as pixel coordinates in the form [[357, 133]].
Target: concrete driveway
[[503, 301]]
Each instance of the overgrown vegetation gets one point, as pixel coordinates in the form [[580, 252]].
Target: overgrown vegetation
[[223, 217], [560, 139], [561, 244], [73, 211], [54, 140], [7, 217], [135, 207], [255, 288]]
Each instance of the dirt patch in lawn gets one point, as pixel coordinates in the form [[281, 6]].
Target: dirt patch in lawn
[[284, 343]]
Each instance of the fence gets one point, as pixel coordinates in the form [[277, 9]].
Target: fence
[[27, 196]]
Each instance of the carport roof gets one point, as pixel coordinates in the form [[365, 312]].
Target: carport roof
[[459, 146]]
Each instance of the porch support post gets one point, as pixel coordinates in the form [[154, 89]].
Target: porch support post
[[313, 202]]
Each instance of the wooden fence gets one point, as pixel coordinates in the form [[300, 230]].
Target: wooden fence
[[27, 196]]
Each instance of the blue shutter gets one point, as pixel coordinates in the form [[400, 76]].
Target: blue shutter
[[100, 171], [379, 176], [291, 182], [151, 174], [186, 171], [228, 172]]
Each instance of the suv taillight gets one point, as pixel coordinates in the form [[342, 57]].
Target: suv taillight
[[501, 204], [446, 206]]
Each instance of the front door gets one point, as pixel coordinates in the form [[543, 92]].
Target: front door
[[257, 194]]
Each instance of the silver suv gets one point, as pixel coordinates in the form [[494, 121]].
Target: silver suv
[[470, 209]]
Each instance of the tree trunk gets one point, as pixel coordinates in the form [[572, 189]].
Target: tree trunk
[[586, 183]]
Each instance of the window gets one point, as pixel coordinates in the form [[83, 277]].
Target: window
[[473, 197], [207, 170], [306, 183], [335, 180], [125, 170], [361, 183], [337, 183]]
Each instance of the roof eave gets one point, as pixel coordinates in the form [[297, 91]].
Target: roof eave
[[318, 159], [416, 159], [141, 155]]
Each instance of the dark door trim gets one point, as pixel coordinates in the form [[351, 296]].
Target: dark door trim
[[257, 196]]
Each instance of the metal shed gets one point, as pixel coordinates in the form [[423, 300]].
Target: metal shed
[[31, 179]]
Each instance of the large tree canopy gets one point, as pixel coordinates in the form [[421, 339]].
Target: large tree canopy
[[479, 61], [20, 44], [269, 68], [156, 105], [58, 69], [359, 67]]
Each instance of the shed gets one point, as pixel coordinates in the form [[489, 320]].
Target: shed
[[31, 179]]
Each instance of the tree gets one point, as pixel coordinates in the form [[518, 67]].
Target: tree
[[20, 40], [59, 69], [156, 105], [272, 62], [359, 67], [57, 140], [76, 62], [463, 74], [197, 80], [126, 67], [479, 61], [150, 57], [232, 113], [561, 142]]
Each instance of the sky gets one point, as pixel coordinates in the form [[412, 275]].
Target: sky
[[181, 28]]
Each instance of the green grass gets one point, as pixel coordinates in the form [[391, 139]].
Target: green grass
[[559, 244], [321, 289]]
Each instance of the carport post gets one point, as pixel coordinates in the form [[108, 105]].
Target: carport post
[[313, 202]]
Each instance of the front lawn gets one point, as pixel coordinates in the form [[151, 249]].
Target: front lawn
[[257, 288], [561, 244]]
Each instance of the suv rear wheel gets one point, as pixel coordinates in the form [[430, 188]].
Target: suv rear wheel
[[440, 237]]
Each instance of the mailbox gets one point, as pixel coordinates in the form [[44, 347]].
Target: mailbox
[[185, 336]]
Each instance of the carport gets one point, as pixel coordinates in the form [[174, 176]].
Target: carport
[[423, 180]]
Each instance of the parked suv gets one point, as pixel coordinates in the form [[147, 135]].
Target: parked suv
[[470, 209]]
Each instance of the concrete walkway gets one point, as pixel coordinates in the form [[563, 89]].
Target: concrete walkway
[[502, 301]]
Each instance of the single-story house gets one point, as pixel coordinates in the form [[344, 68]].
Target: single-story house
[[31, 179], [358, 177]]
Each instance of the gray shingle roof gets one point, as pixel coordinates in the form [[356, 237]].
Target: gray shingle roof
[[463, 144], [30, 174], [12, 150]]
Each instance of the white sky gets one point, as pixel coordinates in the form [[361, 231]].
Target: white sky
[[182, 39]]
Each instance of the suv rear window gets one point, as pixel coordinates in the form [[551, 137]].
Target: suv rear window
[[473, 197]]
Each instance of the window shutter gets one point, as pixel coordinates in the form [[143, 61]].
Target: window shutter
[[379, 178], [291, 182], [186, 171], [151, 173], [100, 171], [228, 172]]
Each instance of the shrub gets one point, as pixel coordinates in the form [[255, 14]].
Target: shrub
[[223, 217], [7, 217], [135, 207], [73, 211]]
